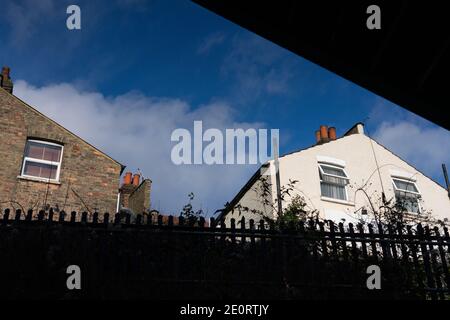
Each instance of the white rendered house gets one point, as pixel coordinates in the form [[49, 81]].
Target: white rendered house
[[344, 180]]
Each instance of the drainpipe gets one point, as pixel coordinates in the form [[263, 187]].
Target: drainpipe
[[277, 177], [118, 202], [444, 168]]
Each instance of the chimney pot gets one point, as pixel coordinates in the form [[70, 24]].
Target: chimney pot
[[318, 139], [324, 133], [332, 133], [136, 179], [127, 178]]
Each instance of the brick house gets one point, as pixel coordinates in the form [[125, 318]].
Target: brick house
[[46, 165]]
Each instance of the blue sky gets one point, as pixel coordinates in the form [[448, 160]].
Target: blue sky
[[148, 67]]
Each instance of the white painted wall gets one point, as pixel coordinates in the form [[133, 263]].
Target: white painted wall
[[355, 151]]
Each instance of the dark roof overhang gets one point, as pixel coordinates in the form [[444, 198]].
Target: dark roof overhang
[[406, 62]]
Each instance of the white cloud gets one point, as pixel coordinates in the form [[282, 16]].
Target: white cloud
[[24, 16], [258, 68], [210, 42], [424, 146], [135, 130]]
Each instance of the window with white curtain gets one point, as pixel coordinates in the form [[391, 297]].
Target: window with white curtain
[[407, 195], [333, 182], [42, 160]]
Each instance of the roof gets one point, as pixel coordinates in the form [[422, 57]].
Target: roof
[[255, 177], [60, 126], [405, 61]]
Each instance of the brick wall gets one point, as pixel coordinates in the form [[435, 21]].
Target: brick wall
[[88, 178], [139, 200]]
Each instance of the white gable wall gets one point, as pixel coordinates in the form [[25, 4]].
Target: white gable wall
[[354, 152]]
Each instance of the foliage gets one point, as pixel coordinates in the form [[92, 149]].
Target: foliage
[[293, 212], [381, 210], [295, 209], [188, 211]]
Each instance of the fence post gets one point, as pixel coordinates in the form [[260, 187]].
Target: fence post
[[201, 222], [386, 252], [6, 217], [324, 240], [394, 263], [352, 239], [41, 215], [223, 228], [413, 248], [363, 243], [354, 249], [392, 237], [447, 238], [252, 229], [426, 260], [84, 217], [312, 230], [50, 215], [233, 230], [443, 257], [434, 264], [95, 218], [139, 219], [117, 218], [373, 244], [170, 221], [261, 225], [405, 254], [271, 225], [18, 215], [243, 239], [62, 216], [148, 219], [262, 228], [106, 218], [29, 216], [343, 241], [333, 239], [73, 217]]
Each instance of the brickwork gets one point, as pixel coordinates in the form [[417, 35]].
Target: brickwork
[[89, 179], [139, 200]]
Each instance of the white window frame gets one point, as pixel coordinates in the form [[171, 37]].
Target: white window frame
[[408, 191], [335, 176], [52, 163]]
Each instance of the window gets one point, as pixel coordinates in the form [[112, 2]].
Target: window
[[407, 195], [42, 160], [333, 181]]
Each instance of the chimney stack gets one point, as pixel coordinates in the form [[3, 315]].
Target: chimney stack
[[126, 190], [5, 80], [325, 134], [130, 184]]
